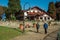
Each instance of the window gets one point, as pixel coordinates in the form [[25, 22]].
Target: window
[[36, 11], [48, 18], [31, 10], [40, 17]]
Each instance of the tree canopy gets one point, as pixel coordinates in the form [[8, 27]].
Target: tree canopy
[[1, 10], [52, 10], [14, 6]]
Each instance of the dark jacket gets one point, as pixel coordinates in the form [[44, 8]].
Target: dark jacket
[[37, 25], [45, 25]]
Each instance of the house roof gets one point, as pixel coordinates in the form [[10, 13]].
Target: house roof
[[38, 9], [32, 13]]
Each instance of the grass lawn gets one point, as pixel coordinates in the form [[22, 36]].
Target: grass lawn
[[8, 33]]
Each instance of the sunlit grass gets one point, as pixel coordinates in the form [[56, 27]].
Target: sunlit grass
[[8, 33]]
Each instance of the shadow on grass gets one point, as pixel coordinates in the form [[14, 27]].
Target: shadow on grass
[[17, 29]]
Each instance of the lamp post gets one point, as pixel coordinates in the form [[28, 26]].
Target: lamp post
[[24, 15]]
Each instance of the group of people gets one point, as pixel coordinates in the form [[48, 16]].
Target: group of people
[[45, 25]]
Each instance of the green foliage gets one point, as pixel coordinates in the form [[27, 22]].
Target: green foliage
[[51, 8], [13, 17], [51, 12], [13, 7], [1, 10], [7, 12], [57, 4]]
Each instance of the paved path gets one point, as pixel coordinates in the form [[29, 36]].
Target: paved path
[[51, 36], [32, 35]]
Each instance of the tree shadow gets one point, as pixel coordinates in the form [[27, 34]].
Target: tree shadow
[[17, 29], [34, 31]]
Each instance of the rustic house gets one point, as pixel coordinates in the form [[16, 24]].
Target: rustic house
[[37, 13]]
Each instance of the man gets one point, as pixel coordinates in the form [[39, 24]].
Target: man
[[37, 27], [45, 27]]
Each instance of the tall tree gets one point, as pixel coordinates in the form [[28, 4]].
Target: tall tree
[[14, 6], [1, 11], [7, 12], [57, 4], [52, 10]]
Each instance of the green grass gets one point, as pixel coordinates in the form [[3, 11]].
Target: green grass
[[8, 33]]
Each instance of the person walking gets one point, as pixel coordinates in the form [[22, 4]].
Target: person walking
[[37, 27], [45, 27]]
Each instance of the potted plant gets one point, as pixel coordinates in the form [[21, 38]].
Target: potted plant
[[49, 23], [21, 27], [27, 25], [34, 25]]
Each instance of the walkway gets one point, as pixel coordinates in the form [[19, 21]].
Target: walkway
[[51, 36], [32, 35]]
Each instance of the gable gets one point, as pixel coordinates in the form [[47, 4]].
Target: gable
[[45, 15], [36, 11]]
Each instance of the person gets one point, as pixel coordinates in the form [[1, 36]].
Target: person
[[58, 35], [37, 27], [45, 27]]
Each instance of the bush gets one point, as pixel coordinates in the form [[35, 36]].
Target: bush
[[55, 24], [13, 18]]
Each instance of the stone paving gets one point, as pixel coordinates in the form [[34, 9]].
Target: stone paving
[[32, 35], [51, 36]]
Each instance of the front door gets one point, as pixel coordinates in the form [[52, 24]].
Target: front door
[[45, 18]]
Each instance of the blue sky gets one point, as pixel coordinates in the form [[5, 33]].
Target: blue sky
[[43, 4]]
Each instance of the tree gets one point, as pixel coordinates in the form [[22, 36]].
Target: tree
[[6, 12], [14, 6], [1, 11], [52, 10], [19, 15], [57, 4]]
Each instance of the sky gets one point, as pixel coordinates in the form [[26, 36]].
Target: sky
[[43, 4]]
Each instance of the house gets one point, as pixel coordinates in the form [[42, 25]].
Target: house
[[37, 13]]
